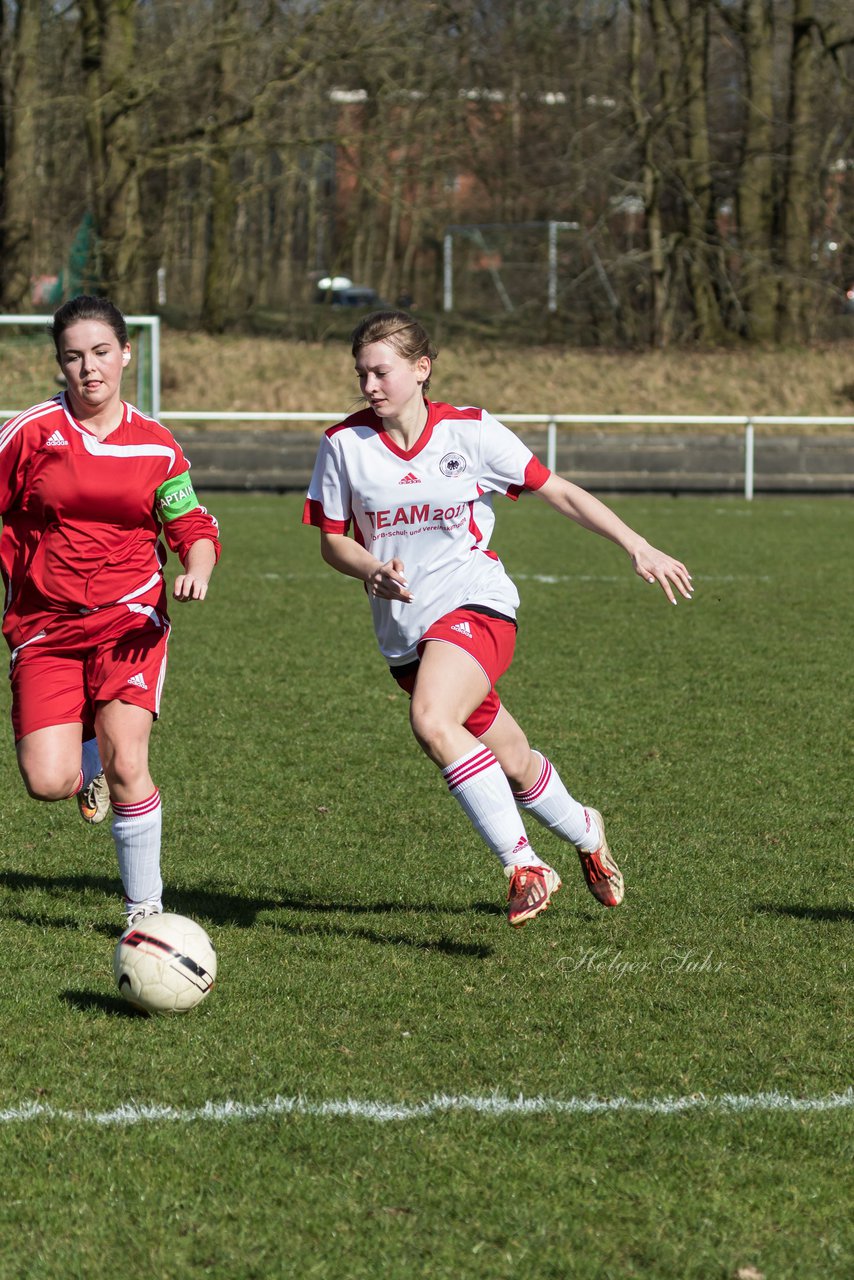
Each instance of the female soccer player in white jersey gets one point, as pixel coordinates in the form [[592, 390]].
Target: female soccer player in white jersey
[[87, 486], [416, 480]]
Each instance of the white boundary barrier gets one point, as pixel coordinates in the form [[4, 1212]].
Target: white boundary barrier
[[552, 421]]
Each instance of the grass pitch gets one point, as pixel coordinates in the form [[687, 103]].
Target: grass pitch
[[389, 1082]]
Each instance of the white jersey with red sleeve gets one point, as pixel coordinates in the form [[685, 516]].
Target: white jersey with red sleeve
[[82, 517], [430, 507]]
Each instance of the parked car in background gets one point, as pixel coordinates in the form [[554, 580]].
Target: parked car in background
[[340, 291]]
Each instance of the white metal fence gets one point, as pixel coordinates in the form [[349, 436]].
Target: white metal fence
[[552, 421], [148, 393]]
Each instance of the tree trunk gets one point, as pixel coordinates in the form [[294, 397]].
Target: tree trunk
[[222, 197], [755, 196], [698, 174], [800, 188], [112, 137], [16, 262], [647, 125]]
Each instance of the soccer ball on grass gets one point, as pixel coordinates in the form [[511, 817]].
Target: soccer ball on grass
[[164, 964]]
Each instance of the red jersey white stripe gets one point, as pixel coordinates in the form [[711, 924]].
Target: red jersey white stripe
[[82, 517]]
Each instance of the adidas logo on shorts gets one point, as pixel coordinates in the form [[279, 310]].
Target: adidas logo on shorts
[[463, 628], [138, 680]]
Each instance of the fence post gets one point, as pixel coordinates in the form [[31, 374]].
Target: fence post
[[748, 459], [551, 445], [447, 273], [155, 367]]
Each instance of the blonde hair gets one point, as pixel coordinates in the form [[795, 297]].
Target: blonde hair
[[405, 335]]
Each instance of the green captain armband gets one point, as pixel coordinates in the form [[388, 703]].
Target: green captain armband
[[176, 497]]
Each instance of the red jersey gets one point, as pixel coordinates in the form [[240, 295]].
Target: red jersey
[[82, 517]]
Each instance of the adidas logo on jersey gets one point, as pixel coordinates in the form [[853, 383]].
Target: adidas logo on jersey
[[56, 438], [410, 478], [138, 680], [463, 628]]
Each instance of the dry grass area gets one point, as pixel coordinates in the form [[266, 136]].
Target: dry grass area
[[269, 374]]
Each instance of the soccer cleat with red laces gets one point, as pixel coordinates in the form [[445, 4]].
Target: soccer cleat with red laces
[[530, 892], [603, 876], [93, 800]]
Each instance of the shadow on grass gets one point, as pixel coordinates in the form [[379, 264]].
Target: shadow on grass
[[113, 1006], [803, 912], [447, 946], [220, 908]]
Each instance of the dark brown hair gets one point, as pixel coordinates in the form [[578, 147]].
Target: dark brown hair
[[86, 307]]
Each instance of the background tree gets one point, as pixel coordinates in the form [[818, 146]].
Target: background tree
[[114, 93], [19, 132], [697, 155]]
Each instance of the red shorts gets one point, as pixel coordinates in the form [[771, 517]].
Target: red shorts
[[489, 640], [69, 662]]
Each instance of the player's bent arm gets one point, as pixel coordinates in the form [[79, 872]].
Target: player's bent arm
[[385, 581], [577, 504], [346, 555], [199, 563]]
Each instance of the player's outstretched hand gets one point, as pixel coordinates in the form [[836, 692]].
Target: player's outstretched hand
[[388, 583], [656, 566], [188, 586]]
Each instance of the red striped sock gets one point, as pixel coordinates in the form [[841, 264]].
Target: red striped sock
[[478, 783], [136, 831]]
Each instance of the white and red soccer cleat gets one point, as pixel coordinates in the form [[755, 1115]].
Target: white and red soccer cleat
[[530, 892], [601, 873]]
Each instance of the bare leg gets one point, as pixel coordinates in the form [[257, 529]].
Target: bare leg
[[449, 686], [49, 761], [511, 749], [123, 731]]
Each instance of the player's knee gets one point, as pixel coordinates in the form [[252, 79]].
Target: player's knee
[[430, 726], [125, 766], [46, 784]]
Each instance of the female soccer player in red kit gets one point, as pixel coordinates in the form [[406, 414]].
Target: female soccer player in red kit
[[416, 480], [88, 485]]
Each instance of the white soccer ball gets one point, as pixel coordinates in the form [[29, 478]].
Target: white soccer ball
[[164, 964]]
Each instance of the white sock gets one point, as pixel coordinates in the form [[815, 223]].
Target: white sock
[[552, 805], [477, 781], [136, 831], [91, 762], [90, 766]]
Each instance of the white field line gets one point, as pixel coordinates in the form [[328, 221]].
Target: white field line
[[491, 1105], [555, 579]]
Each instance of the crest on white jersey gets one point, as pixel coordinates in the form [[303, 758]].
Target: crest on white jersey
[[453, 464]]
